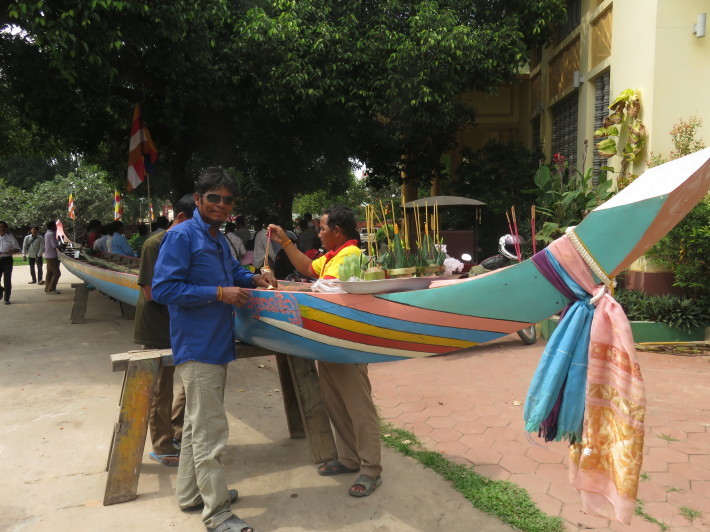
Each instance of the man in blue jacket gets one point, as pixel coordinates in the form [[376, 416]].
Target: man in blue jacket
[[199, 280]]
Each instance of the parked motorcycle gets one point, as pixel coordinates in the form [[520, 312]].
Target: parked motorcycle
[[506, 256]]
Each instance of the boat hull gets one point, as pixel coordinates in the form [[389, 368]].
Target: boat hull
[[449, 315]]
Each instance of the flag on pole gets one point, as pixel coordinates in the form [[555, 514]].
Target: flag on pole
[[70, 207], [117, 205], [141, 152], [152, 214]]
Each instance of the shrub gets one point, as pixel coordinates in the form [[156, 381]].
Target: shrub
[[681, 313]]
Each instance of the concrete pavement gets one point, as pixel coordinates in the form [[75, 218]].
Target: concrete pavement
[[59, 402]]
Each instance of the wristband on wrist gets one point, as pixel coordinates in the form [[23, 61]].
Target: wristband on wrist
[[219, 293], [286, 243]]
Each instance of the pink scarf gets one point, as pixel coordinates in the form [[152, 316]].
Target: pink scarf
[[606, 464]]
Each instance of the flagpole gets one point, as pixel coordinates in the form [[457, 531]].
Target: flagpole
[[147, 182]]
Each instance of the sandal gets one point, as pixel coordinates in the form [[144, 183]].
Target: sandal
[[232, 524], [164, 459], [366, 481], [334, 467]]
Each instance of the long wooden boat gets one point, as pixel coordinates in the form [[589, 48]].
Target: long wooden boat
[[449, 315]]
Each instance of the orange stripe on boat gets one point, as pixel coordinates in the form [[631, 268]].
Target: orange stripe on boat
[[334, 332], [361, 328], [383, 307]]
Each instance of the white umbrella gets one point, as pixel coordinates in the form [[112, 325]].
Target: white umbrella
[[442, 201]]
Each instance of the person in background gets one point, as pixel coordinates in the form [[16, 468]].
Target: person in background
[[33, 247], [151, 329], [236, 244], [118, 243], [101, 242], [199, 280], [161, 224], [50, 255], [93, 231], [307, 237], [8, 247], [347, 392], [137, 240], [242, 231]]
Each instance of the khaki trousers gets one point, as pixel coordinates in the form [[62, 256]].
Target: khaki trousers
[[53, 275], [200, 475], [347, 396]]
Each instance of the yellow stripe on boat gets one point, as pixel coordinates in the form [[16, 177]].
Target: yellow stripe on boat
[[336, 342], [380, 332]]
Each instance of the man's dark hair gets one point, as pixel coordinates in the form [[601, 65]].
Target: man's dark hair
[[143, 230], [229, 227], [240, 221], [185, 205], [344, 218], [4, 223], [52, 226], [162, 222], [215, 177], [35, 227], [303, 224]]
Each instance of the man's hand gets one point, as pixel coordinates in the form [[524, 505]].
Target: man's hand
[[233, 295], [24, 257], [265, 280]]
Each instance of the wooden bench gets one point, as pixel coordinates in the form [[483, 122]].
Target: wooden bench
[[305, 413]]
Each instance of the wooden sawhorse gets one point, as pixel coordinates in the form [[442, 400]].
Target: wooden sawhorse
[[81, 298], [305, 413]]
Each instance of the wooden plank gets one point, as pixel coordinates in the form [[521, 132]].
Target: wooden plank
[[120, 361], [126, 453], [81, 297], [315, 418], [288, 392]]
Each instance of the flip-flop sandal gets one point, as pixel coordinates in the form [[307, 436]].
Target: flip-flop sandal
[[233, 524], [334, 467], [161, 459], [366, 481], [233, 497]]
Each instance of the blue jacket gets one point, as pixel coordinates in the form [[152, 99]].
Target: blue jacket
[[191, 264]]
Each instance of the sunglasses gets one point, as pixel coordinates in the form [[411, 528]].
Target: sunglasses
[[215, 198]]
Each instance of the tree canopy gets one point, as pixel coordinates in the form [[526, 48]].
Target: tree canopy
[[285, 92]]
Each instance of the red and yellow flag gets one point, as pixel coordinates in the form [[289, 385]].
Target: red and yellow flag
[[152, 214], [117, 205], [70, 207], [141, 152]]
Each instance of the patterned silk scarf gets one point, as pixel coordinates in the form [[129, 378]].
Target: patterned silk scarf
[[605, 464]]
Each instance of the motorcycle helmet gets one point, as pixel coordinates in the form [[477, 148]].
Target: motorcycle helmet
[[506, 246]]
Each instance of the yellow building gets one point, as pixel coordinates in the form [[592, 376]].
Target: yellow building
[[656, 47]]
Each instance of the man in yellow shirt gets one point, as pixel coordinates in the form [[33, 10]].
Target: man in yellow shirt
[[346, 388]]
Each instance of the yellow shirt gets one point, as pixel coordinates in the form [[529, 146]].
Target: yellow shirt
[[326, 266]]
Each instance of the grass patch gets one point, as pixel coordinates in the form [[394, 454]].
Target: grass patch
[[504, 500], [644, 476], [17, 260], [667, 438], [690, 514], [641, 512]]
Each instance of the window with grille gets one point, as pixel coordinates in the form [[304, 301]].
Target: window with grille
[[601, 111], [574, 17], [564, 128]]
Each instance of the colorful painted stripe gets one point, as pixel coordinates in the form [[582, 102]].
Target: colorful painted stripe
[[341, 343], [341, 327]]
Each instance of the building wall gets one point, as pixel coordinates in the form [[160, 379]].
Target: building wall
[[645, 45]]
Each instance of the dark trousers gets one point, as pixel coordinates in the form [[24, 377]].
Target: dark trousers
[[6, 270], [37, 261]]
